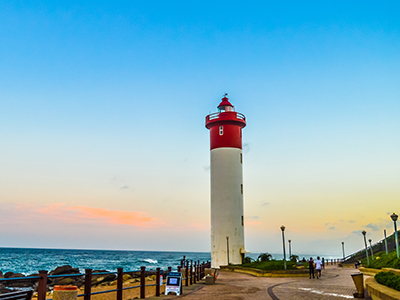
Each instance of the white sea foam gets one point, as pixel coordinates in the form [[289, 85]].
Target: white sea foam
[[150, 261]]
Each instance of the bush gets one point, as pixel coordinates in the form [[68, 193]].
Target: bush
[[270, 265], [264, 257], [388, 279], [247, 260]]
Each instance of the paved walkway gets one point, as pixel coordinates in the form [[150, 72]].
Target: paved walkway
[[336, 283]]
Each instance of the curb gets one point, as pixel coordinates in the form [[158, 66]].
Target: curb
[[380, 292]]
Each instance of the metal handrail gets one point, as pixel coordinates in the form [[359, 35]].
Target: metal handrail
[[19, 278], [132, 287], [66, 275], [216, 115], [103, 292]]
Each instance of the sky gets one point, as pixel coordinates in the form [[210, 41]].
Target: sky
[[102, 114]]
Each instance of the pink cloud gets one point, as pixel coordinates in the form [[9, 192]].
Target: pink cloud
[[133, 218], [253, 223], [63, 213]]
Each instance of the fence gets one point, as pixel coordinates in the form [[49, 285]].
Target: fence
[[193, 273]]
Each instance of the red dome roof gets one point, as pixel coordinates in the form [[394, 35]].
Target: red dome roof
[[225, 102]]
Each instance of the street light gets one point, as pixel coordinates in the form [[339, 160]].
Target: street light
[[227, 248], [384, 231], [372, 252], [283, 240], [290, 249], [365, 242], [394, 218], [343, 250]]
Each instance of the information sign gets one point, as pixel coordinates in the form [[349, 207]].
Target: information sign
[[174, 283]]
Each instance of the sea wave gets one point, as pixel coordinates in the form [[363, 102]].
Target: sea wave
[[30, 261], [150, 261]]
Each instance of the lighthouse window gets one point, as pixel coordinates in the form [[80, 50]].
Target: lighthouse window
[[242, 221], [241, 188], [221, 130], [241, 158]]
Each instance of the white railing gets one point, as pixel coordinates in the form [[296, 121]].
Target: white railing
[[216, 116]]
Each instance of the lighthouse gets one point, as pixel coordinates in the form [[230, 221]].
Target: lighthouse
[[227, 222]]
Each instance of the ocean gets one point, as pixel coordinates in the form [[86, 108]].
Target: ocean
[[31, 260]]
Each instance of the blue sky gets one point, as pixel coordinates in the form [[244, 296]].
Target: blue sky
[[102, 108]]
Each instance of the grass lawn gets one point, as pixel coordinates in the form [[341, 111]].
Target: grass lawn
[[381, 260]]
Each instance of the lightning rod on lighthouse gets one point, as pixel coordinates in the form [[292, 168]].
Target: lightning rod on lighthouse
[[227, 221]]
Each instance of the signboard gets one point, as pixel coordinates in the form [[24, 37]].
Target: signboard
[[174, 283]]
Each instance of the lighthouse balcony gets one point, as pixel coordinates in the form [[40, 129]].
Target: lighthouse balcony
[[226, 115]]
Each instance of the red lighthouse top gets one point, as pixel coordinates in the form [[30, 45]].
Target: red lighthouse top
[[225, 102], [225, 126]]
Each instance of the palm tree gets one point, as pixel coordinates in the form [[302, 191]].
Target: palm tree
[[264, 257]]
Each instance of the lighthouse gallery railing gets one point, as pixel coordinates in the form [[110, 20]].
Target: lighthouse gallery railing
[[216, 115]]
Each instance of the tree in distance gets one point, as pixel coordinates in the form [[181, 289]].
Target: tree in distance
[[264, 257]]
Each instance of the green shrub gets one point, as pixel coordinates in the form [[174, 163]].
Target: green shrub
[[264, 257], [247, 260], [388, 279], [270, 265]]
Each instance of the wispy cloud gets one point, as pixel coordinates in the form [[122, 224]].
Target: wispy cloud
[[356, 232], [252, 223], [114, 216], [373, 226], [82, 214], [125, 187]]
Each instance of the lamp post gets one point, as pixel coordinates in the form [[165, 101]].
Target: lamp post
[[290, 249], [372, 252], [365, 242], [384, 232], [343, 250], [227, 248], [394, 218], [283, 240]]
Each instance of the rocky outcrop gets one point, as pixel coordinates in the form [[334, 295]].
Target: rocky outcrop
[[19, 283], [64, 270], [99, 279], [67, 269], [3, 289]]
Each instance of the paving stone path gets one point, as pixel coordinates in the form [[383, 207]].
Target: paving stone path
[[336, 283]]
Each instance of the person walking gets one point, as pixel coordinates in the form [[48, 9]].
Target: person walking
[[318, 265], [323, 263], [311, 267]]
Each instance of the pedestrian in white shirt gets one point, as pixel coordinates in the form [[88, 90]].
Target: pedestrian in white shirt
[[318, 265]]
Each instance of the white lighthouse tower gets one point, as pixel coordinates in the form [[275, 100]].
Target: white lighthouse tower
[[227, 224]]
